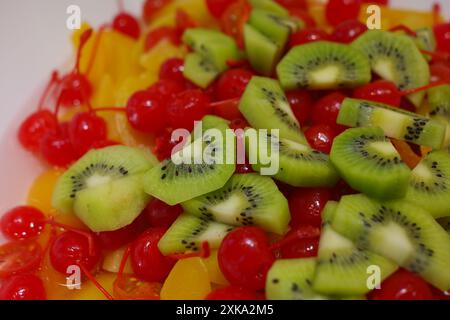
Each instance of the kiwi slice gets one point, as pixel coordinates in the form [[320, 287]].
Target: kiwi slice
[[396, 123], [188, 232], [342, 267], [399, 231], [328, 212], [445, 223], [439, 103], [429, 186], [370, 163], [425, 40], [200, 70], [246, 199], [98, 168], [269, 5], [323, 65], [395, 57], [291, 279], [299, 164], [265, 106]]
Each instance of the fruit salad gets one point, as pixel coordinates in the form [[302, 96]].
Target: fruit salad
[[350, 200]]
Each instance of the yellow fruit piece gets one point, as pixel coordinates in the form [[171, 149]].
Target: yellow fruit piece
[[188, 280], [212, 264], [112, 260], [77, 33], [40, 193], [54, 282], [130, 85], [89, 291], [151, 61], [317, 12], [131, 137]]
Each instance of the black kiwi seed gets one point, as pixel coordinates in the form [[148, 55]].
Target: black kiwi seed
[[274, 99]]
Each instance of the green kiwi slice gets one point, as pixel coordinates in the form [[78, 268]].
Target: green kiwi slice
[[323, 65], [269, 5], [429, 186], [425, 40], [342, 268], [370, 163], [439, 103], [299, 164], [246, 199], [188, 232], [328, 212], [399, 231], [395, 57], [396, 123], [98, 167], [292, 279], [199, 70], [265, 106]]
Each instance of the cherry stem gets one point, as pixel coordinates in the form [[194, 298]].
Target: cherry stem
[[53, 79], [436, 55], [424, 88], [123, 262], [88, 235], [436, 13], [58, 105], [298, 234], [402, 27], [83, 39], [224, 102], [205, 252], [95, 48], [95, 282]]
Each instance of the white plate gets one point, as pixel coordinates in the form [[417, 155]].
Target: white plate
[[34, 40]]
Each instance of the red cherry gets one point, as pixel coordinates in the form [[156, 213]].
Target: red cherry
[[347, 31], [234, 18], [304, 16], [293, 4], [382, 91], [161, 215], [301, 103], [127, 24], [187, 107], [228, 109], [147, 261], [22, 222], [245, 258], [183, 21], [440, 295], [158, 34], [320, 137], [151, 7], [337, 11], [218, 7], [306, 205], [172, 69], [57, 149], [439, 71], [75, 89], [402, 285], [164, 145], [18, 257], [232, 83], [308, 35], [72, 248], [145, 112], [232, 293], [22, 287], [238, 123], [326, 110], [243, 168], [442, 34], [85, 129], [302, 248], [34, 127], [166, 89]]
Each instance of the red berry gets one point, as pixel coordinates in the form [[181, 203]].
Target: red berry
[[232, 293], [402, 285], [57, 149], [238, 123], [306, 205], [172, 69], [151, 7], [245, 258], [22, 222], [218, 7], [320, 137], [326, 110], [338, 11], [382, 91], [293, 4], [183, 21], [228, 109], [187, 107], [145, 112], [342, 189], [72, 248], [127, 25], [103, 144], [85, 129], [158, 34], [302, 248], [232, 83], [160, 214], [166, 89], [347, 31], [301, 103], [75, 89], [22, 287], [35, 127], [18, 257], [308, 35], [147, 261], [164, 146], [243, 168], [304, 16], [442, 34], [439, 71]]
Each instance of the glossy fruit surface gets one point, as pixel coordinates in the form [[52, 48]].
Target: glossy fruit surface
[[172, 69], [145, 112], [127, 24], [187, 107], [57, 149], [347, 31], [19, 257], [320, 137], [308, 35], [301, 103], [22, 287], [306, 205], [232, 83], [382, 91], [22, 223], [33, 129], [161, 215], [85, 129], [442, 34], [338, 11]]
